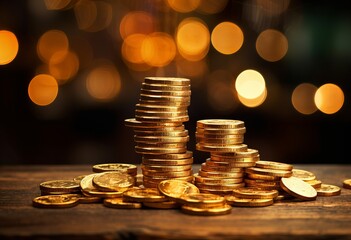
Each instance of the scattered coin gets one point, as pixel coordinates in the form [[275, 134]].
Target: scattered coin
[[303, 174], [65, 186], [347, 183], [173, 189], [56, 201], [113, 181], [327, 190], [143, 195], [120, 203], [226, 209], [298, 188]]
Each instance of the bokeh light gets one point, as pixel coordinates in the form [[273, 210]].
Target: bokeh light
[[136, 22], [193, 39], [329, 98], [104, 82], [271, 45], [51, 42], [8, 47], [58, 4], [227, 38], [43, 89], [211, 6], [253, 102], [64, 66], [273, 7], [183, 6], [250, 84], [302, 98]]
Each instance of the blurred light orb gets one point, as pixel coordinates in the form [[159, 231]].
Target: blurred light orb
[[271, 45], [227, 38], [253, 102], [43, 89], [250, 84], [273, 7], [58, 4], [183, 6], [103, 82], [136, 22], [193, 39], [211, 6], [302, 98], [51, 42], [8, 47], [329, 98], [64, 66]]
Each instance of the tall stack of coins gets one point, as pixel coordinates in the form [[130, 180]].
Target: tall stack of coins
[[224, 170], [160, 135]]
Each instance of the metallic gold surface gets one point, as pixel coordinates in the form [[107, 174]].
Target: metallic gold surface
[[226, 209], [67, 186], [113, 181], [298, 188], [274, 165], [56, 201], [327, 190], [143, 195], [254, 193], [121, 204], [173, 188], [249, 202]]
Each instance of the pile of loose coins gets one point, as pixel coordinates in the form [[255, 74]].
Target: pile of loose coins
[[224, 170], [160, 136]]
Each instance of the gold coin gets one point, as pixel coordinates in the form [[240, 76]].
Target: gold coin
[[157, 108], [201, 179], [202, 200], [262, 177], [162, 205], [159, 150], [165, 103], [226, 209], [132, 122], [160, 139], [249, 202], [158, 179], [298, 188], [143, 195], [208, 168], [187, 154], [269, 172], [254, 193], [179, 119], [303, 174], [161, 145], [164, 98], [221, 131], [220, 123], [235, 160], [88, 199], [226, 148], [315, 183], [173, 188], [165, 92], [274, 165], [247, 153], [171, 133], [226, 187], [169, 174], [148, 113], [87, 187], [167, 80], [327, 190], [347, 183], [166, 87], [67, 186], [217, 192], [56, 201], [219, 141], [221, 174], [167, 162], [78, 178], [119, 203], [113, 181], [119, 167], [211, 163], [261, 183], [162, 168]]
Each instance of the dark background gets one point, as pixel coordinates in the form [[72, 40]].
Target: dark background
[[71, 131]]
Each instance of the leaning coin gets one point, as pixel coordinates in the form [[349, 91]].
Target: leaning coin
[[119, 203], [347, 183], [298, 188], [113, 181], [225, 209], [327, 190], [173, 188], [87, 188], [56, 201], [67, 186]]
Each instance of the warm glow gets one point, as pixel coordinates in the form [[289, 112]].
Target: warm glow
[[329, 98], [93, 16], [103, 82], [227, 38], [136, 22], [57, 4], [158, 49], [302, 98], [51, 42], [193, 39], [131, 52], [183, 5], [250, 84], [273, 7], [272, 45], [8, 47], [253, 102], [63, 66], [43, 89], [211, 6], [192, 70]]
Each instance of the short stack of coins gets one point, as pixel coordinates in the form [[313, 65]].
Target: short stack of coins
[[160, 135], [224, 170]]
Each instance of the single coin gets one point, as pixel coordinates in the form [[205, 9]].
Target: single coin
[[170, 133], [220, 187], [143, 195], [113, 181], [298, 188], [119, 203], [159, 150], [160, 114], [210, 180], [303, 174], [213, 168], [226, 209], [162, 119], [217, 192], [162, 168], [347, 183], [249, 152], [327, 190], [87, 188], [202, 200], [119, 167], [167, 87], [221, 174], [315, 183], [167, 81], [89, 199], [173, 188], [67, 186], [79, 178], [167, 162], [161, 139], [162, 205], [225, 148], [234, 160], [220, 131], [274, 165], [220, 123], [132, 122], [176, 156], [212, 163], [249, 202], [169, 174], [56, 201], [269, 172], [254, 193], [262, 177], [165, 92]]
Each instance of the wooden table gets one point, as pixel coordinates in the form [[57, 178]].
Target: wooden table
[[325, 218]]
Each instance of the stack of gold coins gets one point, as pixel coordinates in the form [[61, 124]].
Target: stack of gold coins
[[160, 135], [267, 174], [224, 170]]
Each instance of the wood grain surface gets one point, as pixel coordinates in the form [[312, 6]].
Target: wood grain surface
[[325, 218]]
